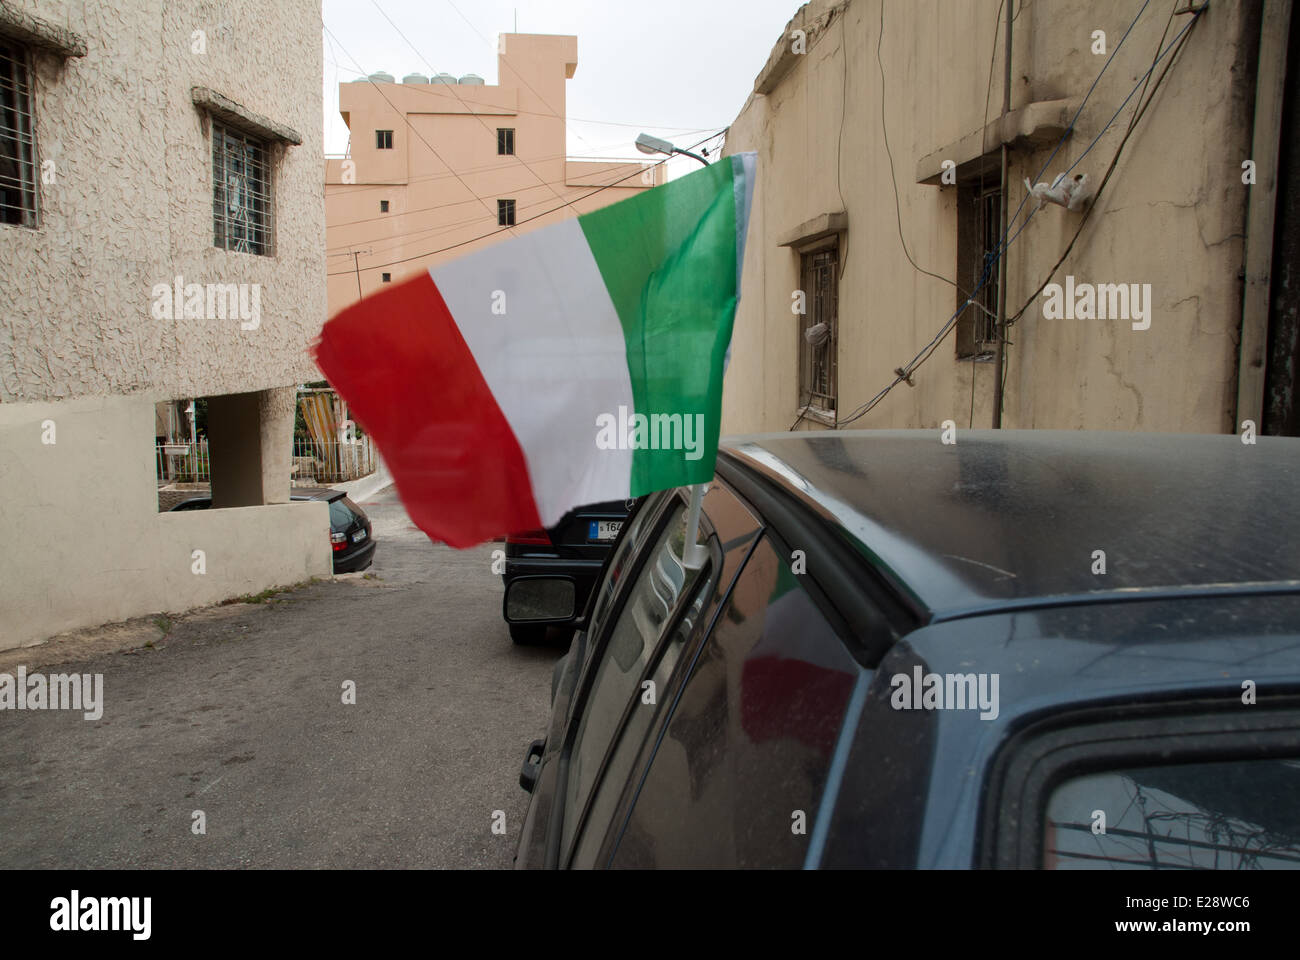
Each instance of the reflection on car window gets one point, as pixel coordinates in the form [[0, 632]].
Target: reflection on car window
[[751, 736], [1235, 815], [644, 617], [638, 725], [618, 563]]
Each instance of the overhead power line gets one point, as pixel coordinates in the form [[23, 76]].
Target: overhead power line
[[453, 246]]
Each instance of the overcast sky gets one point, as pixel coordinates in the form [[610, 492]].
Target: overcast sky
[[670, 67]]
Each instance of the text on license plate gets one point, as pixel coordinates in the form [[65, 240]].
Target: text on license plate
[[604, 529], [358, 536]]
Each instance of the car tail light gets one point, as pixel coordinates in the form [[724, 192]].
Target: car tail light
[[530, 536], [338, 541]]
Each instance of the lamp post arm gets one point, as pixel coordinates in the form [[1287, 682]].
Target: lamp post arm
[[693, 156]]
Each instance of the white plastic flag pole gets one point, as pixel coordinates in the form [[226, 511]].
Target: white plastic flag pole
[[693, 555]]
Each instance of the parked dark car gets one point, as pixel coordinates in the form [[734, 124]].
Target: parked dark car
[[1111, 622], [575, 548], [351, 541]]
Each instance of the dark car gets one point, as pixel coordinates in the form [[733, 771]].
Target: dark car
[[575, 548], [1025, 649], [351, 542]]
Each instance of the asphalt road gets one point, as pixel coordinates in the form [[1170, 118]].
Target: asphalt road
[[238, 712]]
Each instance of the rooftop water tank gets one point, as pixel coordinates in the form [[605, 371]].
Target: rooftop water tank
[[443, 78], [380, 77], [472, 80], [415, 78]]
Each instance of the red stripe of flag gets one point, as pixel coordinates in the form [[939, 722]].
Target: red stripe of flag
[[399, 360]]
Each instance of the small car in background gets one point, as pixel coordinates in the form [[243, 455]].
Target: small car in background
[[895, 652], [575, 548], [351, 542]]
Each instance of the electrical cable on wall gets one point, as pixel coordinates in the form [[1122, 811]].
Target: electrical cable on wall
[[947, 327]]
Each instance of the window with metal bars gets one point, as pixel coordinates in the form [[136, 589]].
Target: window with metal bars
[[505, 140], [979, 211], [505, 213], [18, 197], [241, 192], [819, 330]]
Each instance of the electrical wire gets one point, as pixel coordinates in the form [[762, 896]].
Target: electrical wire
[[397, 240], [407, 120], [454, 173], [1180, 39], [893, 179], [453, 246], [491, 167], [452, 89], [521, 77], [905, 372], [391, 217], [1002, 370], [1070, 127]]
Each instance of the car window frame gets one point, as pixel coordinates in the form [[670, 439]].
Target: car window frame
[[709, 575], [849, 588], [594, 646], [1032, 764], [652, 507]]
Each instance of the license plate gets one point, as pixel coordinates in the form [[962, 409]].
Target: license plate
[[358, 536], [604, 529]]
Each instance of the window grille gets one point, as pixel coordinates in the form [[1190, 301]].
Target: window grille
[[18, 197], [241, 200], [817, 360]]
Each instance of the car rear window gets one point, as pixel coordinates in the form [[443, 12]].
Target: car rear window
[[342, 512], [1229, 815]]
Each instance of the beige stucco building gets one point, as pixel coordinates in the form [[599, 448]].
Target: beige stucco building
[[438, 166], [160, 238], [1177, 218]]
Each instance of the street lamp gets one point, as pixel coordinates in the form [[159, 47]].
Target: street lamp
[[648, 144]]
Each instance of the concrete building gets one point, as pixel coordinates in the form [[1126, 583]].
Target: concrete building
[[1195, 214], [439, 166], [160, 239]]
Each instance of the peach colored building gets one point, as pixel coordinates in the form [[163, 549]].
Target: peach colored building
[[438, 167]]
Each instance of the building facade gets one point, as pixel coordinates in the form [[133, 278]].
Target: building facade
[[872, 276], [160, 225], [438, 166]]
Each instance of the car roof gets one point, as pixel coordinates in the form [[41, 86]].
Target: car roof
[[316, 493], [297, 493], [1006, 519]]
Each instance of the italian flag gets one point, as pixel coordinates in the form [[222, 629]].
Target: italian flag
[[577, 363]]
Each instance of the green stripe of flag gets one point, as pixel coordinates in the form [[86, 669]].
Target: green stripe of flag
[[668, 260]]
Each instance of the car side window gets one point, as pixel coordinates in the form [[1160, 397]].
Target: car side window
[[651, 696], [1225, 815], [651, 603], [738, 774]]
